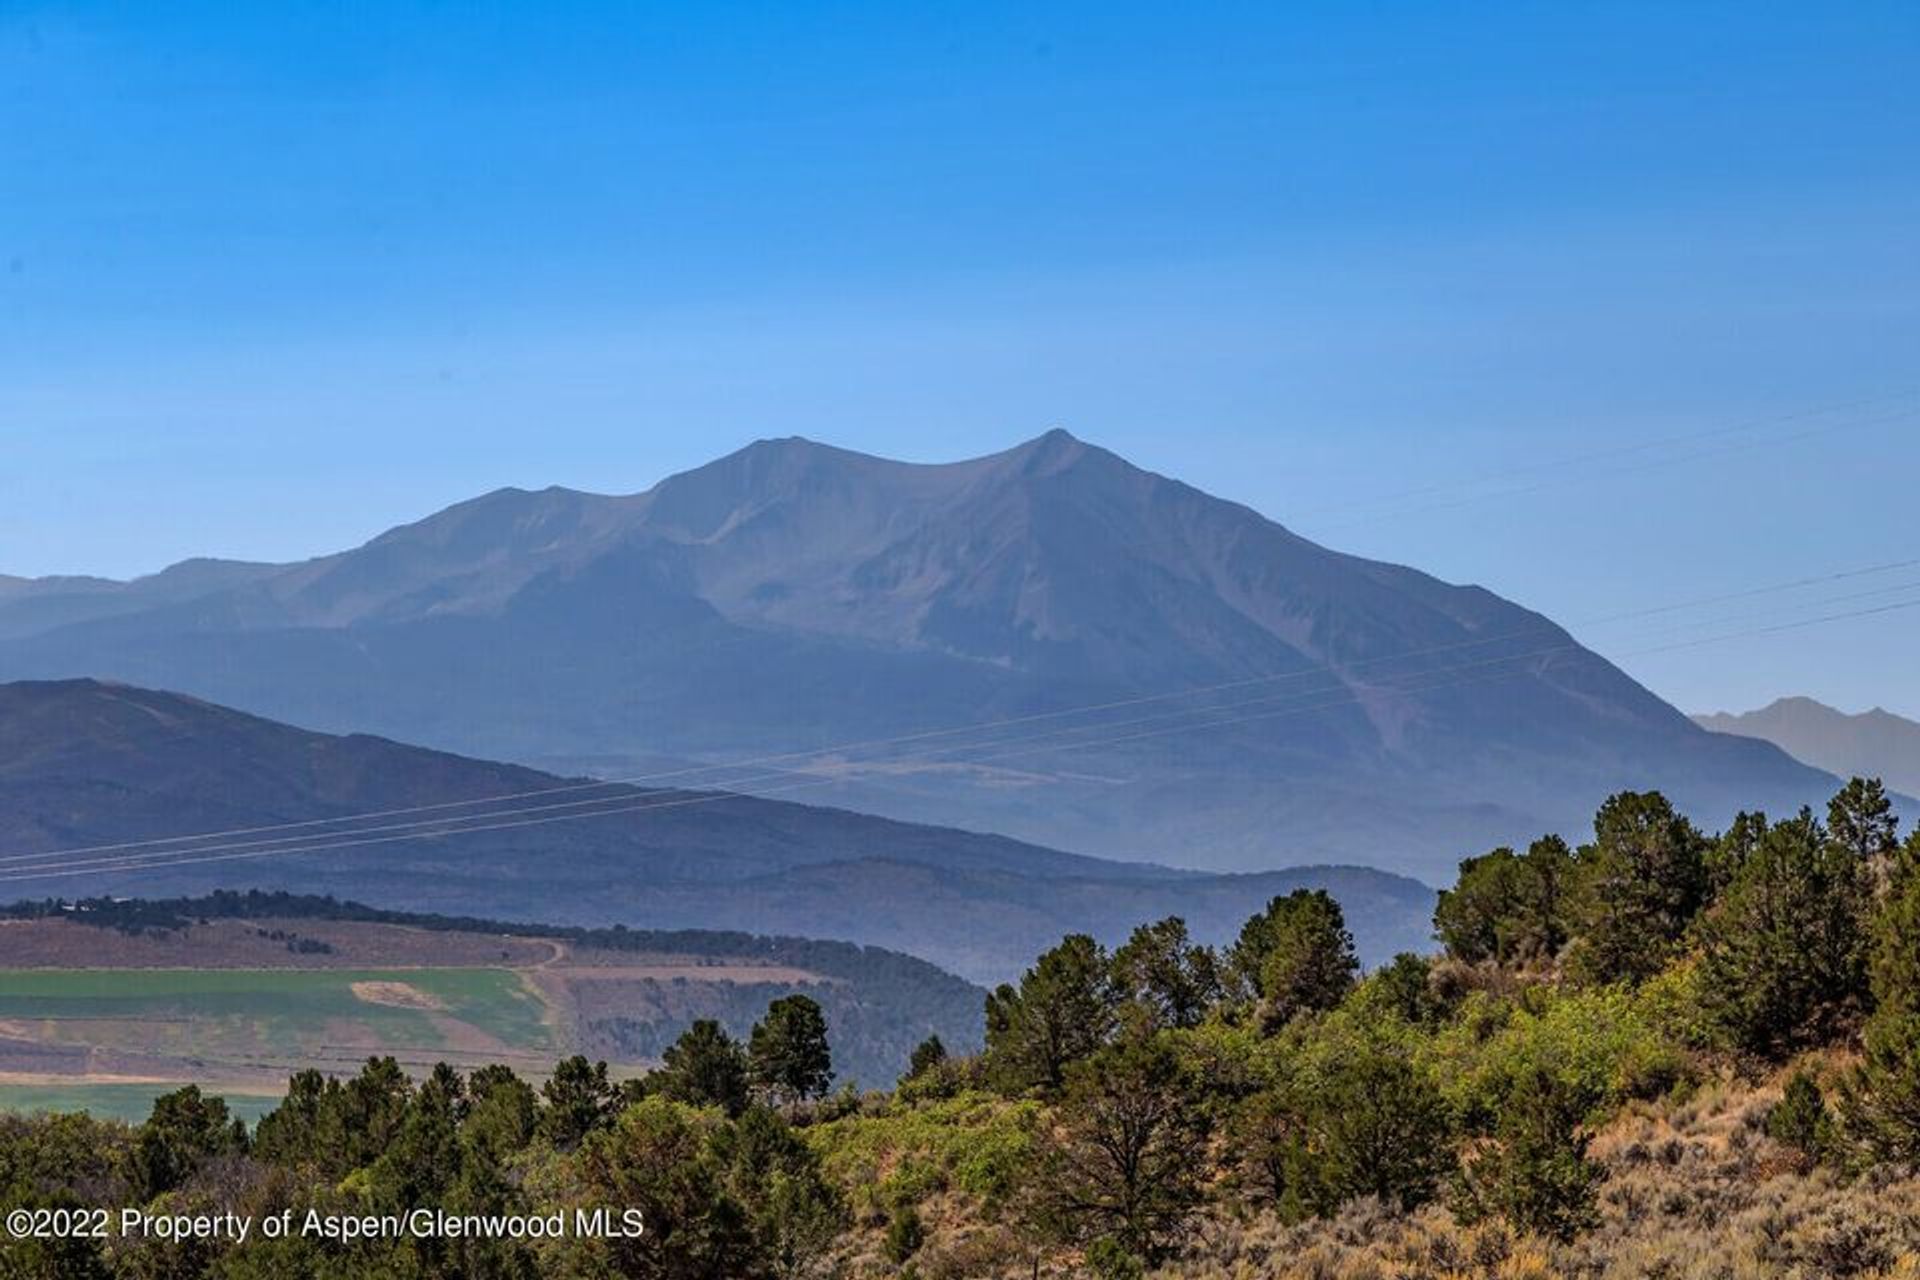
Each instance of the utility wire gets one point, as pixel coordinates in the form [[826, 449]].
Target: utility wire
[[67, 869], [164, 843]]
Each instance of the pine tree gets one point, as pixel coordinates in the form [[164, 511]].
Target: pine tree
[[1785, 957], [185, 1128], [705, 1067], [787, 1052], [579, 1099], [1641, 882], [1507, 907], [1880, 1099], [1379, 1127], [1800, 1120], [1896, 933], [1168, 976], [1063, 1010], [1862, 821], [1536, 1173], [1296, 955], [927, 1055], [1126, 1162]]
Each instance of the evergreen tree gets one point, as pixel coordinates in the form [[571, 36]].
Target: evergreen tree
[[658, 1158], [705, 1067], [1267, 1137], [1173, 980], [787, 1053], [290, 1133], [363, 1117], [1880, 1099], [1296, 955], [905, 1234], [792, 1212], [1896, 933], [1785, 946], [425, 1157], [1379, 1127], [1536, 1174], [1063, 1010], [1641, 882], [1731, 850], [503, 1113], [185, 1128], [1800, 1120], [1861, 819], [1403, 987], [579, 1099], [1126, 1162], [927, 1055], [1508, 908]]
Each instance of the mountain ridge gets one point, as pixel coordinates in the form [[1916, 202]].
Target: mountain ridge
[[791, 596], [92, 772], [1872, 743]]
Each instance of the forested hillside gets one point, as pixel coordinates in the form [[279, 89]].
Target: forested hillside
[[1657, 1052], [111, 790]]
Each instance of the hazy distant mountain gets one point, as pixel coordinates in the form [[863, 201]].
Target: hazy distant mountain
[[87, 767], [794, 596], [1872, 744]]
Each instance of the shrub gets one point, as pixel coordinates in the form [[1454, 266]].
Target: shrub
[[1536, 1174], [1600, 1046], [905, 1234], [1800, 1119], [974, 1143]]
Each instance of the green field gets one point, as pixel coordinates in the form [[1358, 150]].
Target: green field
[[274, 1018]]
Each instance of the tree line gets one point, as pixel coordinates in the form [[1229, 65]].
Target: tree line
[[1126, 1095]]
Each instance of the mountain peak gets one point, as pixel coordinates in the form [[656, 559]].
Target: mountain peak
[[1053, 452], [1868, 744]]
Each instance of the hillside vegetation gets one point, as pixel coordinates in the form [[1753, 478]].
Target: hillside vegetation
[[1659, 1053]]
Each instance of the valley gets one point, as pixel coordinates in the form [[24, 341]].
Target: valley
[[112, 789], [239, 1004]]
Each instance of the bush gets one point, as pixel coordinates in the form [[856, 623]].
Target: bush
[[974, 1143], [1800, 1119], [905, 1234], [1601, 1047], [1537, 1174]]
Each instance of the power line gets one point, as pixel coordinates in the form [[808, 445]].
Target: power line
[[162, 843], [128, 865]]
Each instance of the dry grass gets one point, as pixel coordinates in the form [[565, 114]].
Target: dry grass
[[1696, 1191]]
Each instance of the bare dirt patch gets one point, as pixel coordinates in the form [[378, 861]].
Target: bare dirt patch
[[397, 995]]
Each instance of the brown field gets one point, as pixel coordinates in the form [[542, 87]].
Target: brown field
[[399, 995]]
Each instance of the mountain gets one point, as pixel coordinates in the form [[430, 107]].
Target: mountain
[[1871, 744], [1263, 700], [87, 769]]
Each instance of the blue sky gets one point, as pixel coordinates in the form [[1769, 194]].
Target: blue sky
[[1606, 307]]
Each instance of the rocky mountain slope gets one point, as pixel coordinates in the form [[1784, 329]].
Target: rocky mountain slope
[[1263, 701]]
